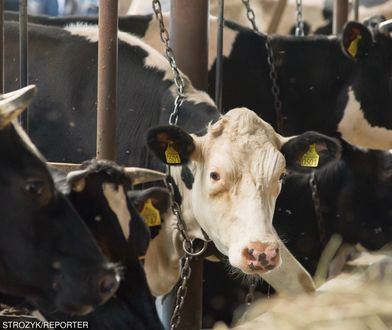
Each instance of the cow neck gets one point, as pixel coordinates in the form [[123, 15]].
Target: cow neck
[[177, 198]]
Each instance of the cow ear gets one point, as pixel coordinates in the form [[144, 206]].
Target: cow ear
[[356, 40], [77, 179], [14, 103], [171, 144], [310, 150], [158, 197]]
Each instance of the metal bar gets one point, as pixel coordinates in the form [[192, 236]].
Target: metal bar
[[356, 9], [189, 40], [1, 46], [188, 36], [219, 57], [276, 16], [107, 79], [23, 56], [340, 14]]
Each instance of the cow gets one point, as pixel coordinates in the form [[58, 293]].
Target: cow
[[102, 192], [47, 253], [153, 76], [323, 85], [354, 194]]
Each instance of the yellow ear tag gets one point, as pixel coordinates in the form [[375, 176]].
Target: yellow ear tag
[[172, 156], [310, 158], [353, 48], [150, 214]]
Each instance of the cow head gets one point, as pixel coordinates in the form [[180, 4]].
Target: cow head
[[102, 192], [46, 252], [237, 168]]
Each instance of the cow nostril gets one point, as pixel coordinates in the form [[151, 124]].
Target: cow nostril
[[108, 284]]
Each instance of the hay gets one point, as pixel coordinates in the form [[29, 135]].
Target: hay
[[360, 298]]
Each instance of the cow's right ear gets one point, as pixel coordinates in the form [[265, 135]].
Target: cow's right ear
[[171, 144], [310, 150], [356, 41]]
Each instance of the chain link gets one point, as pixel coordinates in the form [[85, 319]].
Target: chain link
[[317, 206], [299, 30], [178, 80], [250, 296], [271, 62], [181, 292], [250, 14]]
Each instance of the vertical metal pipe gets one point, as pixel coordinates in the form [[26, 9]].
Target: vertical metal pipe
[[340, 14], [189, 40], [107, 79], [219, 57], [23, 56], [189, 36], [356, 9], [1, 46]]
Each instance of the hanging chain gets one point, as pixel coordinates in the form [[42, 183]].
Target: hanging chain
[[317, 206], [299, 30], [187, 245], [271, 62], [164, 34], [250, 14], [250, 296]]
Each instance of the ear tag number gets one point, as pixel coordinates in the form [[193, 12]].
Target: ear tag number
[[172, 156], [353, 47], [310, 158], [150, 214]]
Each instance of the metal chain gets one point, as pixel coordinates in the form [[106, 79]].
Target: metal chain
[[271, 62], [299, 30], [317, 207], [251, 15], [181, 292], [178, 80], [250, 296], [189, 254]]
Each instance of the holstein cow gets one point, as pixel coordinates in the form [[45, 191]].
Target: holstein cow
[[99, 192], [355, 201], [331, 85], [242, 197], [47, 254]]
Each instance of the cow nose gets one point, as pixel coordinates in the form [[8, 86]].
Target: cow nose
[[108, 285], [261, 256]]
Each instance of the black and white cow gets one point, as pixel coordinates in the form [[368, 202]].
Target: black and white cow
[[46, 252], [100, 191], [241, 197], [355, 201], [328, 84]]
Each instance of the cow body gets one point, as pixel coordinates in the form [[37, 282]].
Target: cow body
[[322, 87], [354, 195], [46, 251]]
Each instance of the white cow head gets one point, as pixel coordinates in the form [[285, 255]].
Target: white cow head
[[237, 167]]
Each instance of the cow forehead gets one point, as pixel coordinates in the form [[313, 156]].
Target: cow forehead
[[240, 136]]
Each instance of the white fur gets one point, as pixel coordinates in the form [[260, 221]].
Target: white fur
[[117, 201], [356, 129]]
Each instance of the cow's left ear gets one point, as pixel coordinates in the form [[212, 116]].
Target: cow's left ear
[[171, 144], [356, 40], [310, 150]]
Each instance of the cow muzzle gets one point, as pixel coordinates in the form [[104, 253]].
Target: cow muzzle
[[261, 257]]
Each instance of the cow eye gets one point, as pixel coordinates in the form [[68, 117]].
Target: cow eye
[[34, 186], [215, 176]]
